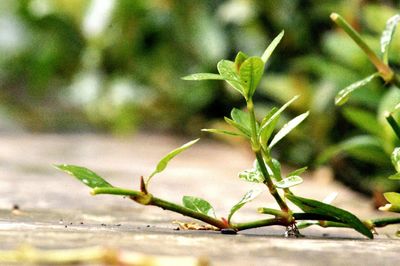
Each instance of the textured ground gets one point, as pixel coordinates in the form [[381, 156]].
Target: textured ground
[[57, 212]]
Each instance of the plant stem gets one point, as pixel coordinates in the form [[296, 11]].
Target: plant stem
[[325, 221], [384, 70], [116, 191], [256, 147], [255, 144], [392, 122], [381, 222], [149, 199], [260, 223], [166, 205]]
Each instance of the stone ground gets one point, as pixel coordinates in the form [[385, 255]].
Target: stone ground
[[56, 211]]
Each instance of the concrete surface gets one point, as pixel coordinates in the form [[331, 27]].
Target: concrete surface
[[56, 211]]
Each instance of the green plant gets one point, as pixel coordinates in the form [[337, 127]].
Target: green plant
[[392, 197], [376, 144], [243, 75], [364, 120]]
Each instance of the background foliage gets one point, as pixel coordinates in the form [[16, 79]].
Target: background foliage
[[115, 66]]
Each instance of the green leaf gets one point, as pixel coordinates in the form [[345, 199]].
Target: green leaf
[[269, 129], [250, 73], [249, 196], [238, 126], [252, 175], [387, 35], [289, 182], [274, 170], [363, 119], [343, 95], [268, 116], [396, 158], [365, 148], [267, 126], [241, 118], [287, 128], [198, 205], [298, 171], [203, 76], [240, 58], [228, 71], [86, 176], [271, 47], [317, 207], [395, 176], [224, 132], [392, 197], [162, 164]]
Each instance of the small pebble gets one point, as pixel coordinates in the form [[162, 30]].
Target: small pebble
[[228, 231]]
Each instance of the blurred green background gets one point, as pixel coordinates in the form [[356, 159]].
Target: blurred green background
[[115, 66]]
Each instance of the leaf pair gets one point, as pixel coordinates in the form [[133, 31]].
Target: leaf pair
[[244, 74], [317, 207], [93, 180]]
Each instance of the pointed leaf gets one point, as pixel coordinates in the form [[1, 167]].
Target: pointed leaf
[[228, 71], [268, 116], [387, 35], [298, 171], [224, 132], [203, 76], [268, 126], [274, 170], [249, 196], [238, 126], [396, 158], [250, 73], [240, 58], [393, 198], [287, 128], [86, 176], [266, 55], [317, 207], [363, 119], [289, 182], [198, 205], [162, 164], [343, 95], [241, 118]]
